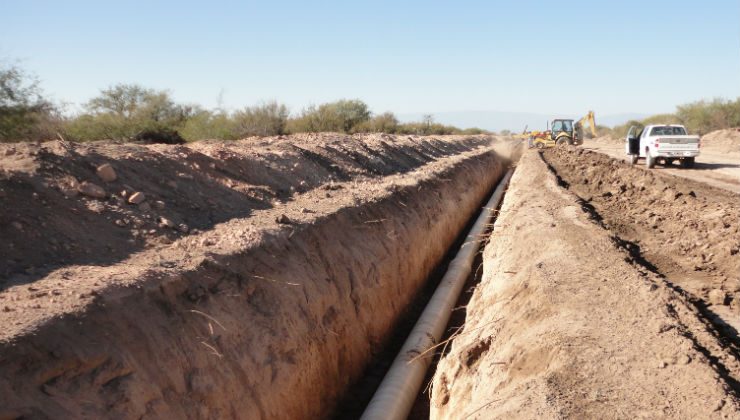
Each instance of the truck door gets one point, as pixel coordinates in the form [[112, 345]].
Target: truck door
[[633, 142]]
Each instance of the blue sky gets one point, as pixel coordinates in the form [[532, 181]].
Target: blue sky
[[546, 57]]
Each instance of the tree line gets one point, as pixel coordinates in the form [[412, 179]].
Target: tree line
[[699, 117], [133, 112]]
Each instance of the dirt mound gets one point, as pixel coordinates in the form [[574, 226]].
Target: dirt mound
[[60, 212], [722, 141], [695, 225], [268, 306], [568, 322]]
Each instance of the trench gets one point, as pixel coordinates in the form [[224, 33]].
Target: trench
[[353, 404], [255, 332]]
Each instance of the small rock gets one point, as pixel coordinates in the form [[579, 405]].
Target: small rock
[[120, 223], [159, 205], [91, 190], [182, 227], [717, 297], [106, 172], [684, 359], [662, 364], [332, 187], [145, 206], [719, 405], [165, 222], [172, 184], [283, 219], [735, 303], [137, 198], [305, 210], [17, 225]]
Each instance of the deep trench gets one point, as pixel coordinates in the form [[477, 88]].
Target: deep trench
[[356, 399]]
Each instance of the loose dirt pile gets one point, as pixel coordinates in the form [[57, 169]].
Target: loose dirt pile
[[571, 321], [680, 225], [297, 258], [722, 141], [58, 211]]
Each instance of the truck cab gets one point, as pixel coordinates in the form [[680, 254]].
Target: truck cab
[[665, 143]]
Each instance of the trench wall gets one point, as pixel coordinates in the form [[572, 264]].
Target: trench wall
[[278, 329]]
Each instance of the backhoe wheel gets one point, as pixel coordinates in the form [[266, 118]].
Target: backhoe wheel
[[649, 160], [562, 141], [540, 145], [687, 162], [633, 159]]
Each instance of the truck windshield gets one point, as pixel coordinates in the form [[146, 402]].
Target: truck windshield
[[668, 131]]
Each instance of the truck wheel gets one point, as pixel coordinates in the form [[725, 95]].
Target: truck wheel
[[687, 162], [633, 159], [669, 162], [649, 160]]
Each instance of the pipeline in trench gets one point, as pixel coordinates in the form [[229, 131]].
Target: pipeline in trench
[[384, 391]]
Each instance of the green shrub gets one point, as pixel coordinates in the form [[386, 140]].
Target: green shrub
[[699, 117], [340, 116], [266, 119], [123, 111], [204, 124], [24, 112], [383, 123]]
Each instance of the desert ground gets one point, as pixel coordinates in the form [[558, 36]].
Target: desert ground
[[269, 277]]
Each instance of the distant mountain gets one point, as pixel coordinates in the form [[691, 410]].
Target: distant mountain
[[513, 121]]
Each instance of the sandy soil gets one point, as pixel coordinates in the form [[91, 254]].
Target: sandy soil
[[581, 312], [265, 296], [717, 165]]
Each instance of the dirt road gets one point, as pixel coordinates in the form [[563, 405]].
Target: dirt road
[[585, 311], [714, 166]]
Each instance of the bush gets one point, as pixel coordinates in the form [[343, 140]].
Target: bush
[[123, 111], [267, 119], [24, 112], [340, 116], [163, 136], [699, 117], [383, 123], [702, 116], [204, 124]]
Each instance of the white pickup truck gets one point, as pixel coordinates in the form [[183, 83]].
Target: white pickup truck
[[665, 143]]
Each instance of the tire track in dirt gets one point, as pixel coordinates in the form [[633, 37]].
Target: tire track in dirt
[[712, 336]]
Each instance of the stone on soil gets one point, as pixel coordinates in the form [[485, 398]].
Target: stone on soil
[[137, 198], [91, 190], [106, 172]]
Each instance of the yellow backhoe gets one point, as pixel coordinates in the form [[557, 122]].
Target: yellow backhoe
[[564, 131]]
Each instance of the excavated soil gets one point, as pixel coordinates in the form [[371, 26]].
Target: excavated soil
[[596, 299], [257, 282]]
